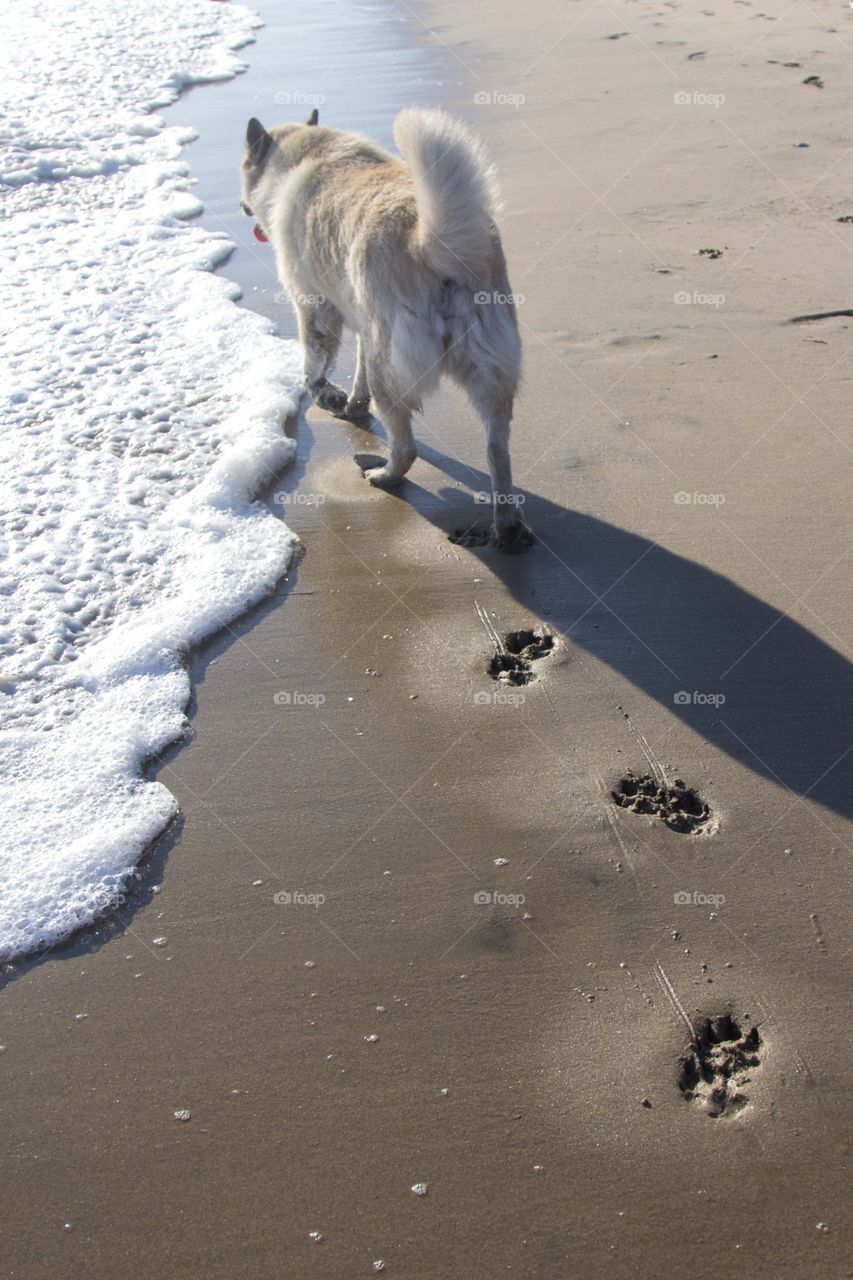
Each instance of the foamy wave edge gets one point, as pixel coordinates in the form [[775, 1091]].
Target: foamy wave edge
[[79, 812]]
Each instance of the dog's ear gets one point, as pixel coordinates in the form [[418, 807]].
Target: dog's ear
[[257, 140], [314, 117]]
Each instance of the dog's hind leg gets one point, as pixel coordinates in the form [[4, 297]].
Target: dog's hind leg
[[320, 327], [398, 419], [358, 405], [486, 362], [495, 409]]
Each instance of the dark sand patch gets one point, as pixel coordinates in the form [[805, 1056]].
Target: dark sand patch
[[717, 1068], [513, 663], [678, 806]]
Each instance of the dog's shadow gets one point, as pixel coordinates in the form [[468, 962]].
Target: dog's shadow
[[740, 673]]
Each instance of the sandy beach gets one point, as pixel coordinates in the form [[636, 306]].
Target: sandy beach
[[402, 933]]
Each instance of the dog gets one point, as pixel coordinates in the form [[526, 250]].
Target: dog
[[406, 253]]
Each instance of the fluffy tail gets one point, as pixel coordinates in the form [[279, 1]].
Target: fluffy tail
[[456, 193]]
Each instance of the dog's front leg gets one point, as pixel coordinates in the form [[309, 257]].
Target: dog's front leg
[[320, 325], [358, 405], [398, 420]]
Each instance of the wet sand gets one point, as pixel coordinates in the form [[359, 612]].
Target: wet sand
[[686, 465]]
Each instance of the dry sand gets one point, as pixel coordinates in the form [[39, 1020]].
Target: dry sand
[[527, 1061]]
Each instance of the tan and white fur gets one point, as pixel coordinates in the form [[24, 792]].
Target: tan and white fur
[[406, 253]]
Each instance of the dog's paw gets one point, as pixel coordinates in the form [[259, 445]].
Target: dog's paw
[[382, 477], [513, 538], [376, 469], [329, 397], [356, 410]]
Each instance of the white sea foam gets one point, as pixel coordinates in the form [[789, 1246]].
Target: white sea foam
[[144, 412]]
